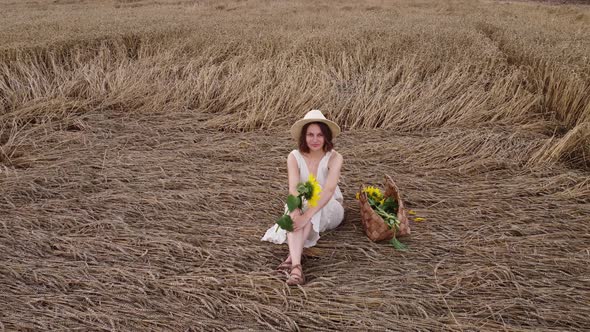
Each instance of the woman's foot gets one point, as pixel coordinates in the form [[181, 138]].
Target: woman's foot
[[285, 266], [296, 277]]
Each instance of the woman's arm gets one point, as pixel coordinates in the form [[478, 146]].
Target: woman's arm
[[334, 167], [293, 172]]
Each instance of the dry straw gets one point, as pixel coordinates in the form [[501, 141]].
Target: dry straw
[[143, 144]]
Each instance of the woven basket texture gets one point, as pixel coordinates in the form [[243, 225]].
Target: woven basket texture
[[374, 226]]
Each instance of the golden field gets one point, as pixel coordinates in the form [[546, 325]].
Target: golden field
[[143, 154]]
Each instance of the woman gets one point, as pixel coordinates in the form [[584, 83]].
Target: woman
[[315, 156]]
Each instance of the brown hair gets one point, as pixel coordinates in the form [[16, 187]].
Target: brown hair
[[328, 144]]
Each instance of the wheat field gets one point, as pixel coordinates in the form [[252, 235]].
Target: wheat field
[[143, 149]]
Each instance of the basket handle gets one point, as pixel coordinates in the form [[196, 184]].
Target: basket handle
[[362, 194], [389, 180]]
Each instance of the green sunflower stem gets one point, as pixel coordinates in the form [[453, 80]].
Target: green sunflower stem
[[390, 219]]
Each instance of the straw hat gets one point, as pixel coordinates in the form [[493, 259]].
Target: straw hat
[[313, 116]]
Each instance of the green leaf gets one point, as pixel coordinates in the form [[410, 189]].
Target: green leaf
[[303, 189], [285, 222], [308, 190], [293, 202], [390, 205], [398, 245]]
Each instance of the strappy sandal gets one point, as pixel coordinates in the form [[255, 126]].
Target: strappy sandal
[[285, 266], [295, 279]]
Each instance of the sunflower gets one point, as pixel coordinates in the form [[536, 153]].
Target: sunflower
[[315, 191], [374, 193]]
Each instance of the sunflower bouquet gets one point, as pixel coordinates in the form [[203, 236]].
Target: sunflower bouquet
[[387, 208], [308, 191]]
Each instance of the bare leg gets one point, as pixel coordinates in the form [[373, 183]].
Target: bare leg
[[285, 265], [296, 240], [287, 260]]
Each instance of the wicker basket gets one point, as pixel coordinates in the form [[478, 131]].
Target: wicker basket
[[374, 226]]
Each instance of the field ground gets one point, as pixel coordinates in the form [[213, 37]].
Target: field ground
[[143, 154]]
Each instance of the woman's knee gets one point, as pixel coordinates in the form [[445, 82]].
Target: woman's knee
[[296, 233]]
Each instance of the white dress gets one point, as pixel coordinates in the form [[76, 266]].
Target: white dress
[[329, 217]]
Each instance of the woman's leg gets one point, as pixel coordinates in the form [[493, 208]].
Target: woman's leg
[[332, 215], [296, 240]]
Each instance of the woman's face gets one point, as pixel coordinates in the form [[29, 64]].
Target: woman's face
[[314, 138]]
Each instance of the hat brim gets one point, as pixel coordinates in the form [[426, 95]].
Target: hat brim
[[297, 126]]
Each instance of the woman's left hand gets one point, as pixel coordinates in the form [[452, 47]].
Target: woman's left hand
[[299, 221]]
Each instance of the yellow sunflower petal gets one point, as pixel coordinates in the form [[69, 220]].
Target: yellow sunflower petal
[[412, 212], [419, 219], [374, 193], [313, 201], [315, 196]]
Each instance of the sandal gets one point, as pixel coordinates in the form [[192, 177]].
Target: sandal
[[285, 266], [296, 279]]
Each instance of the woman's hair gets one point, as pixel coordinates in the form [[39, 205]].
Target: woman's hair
[[328, 145]]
